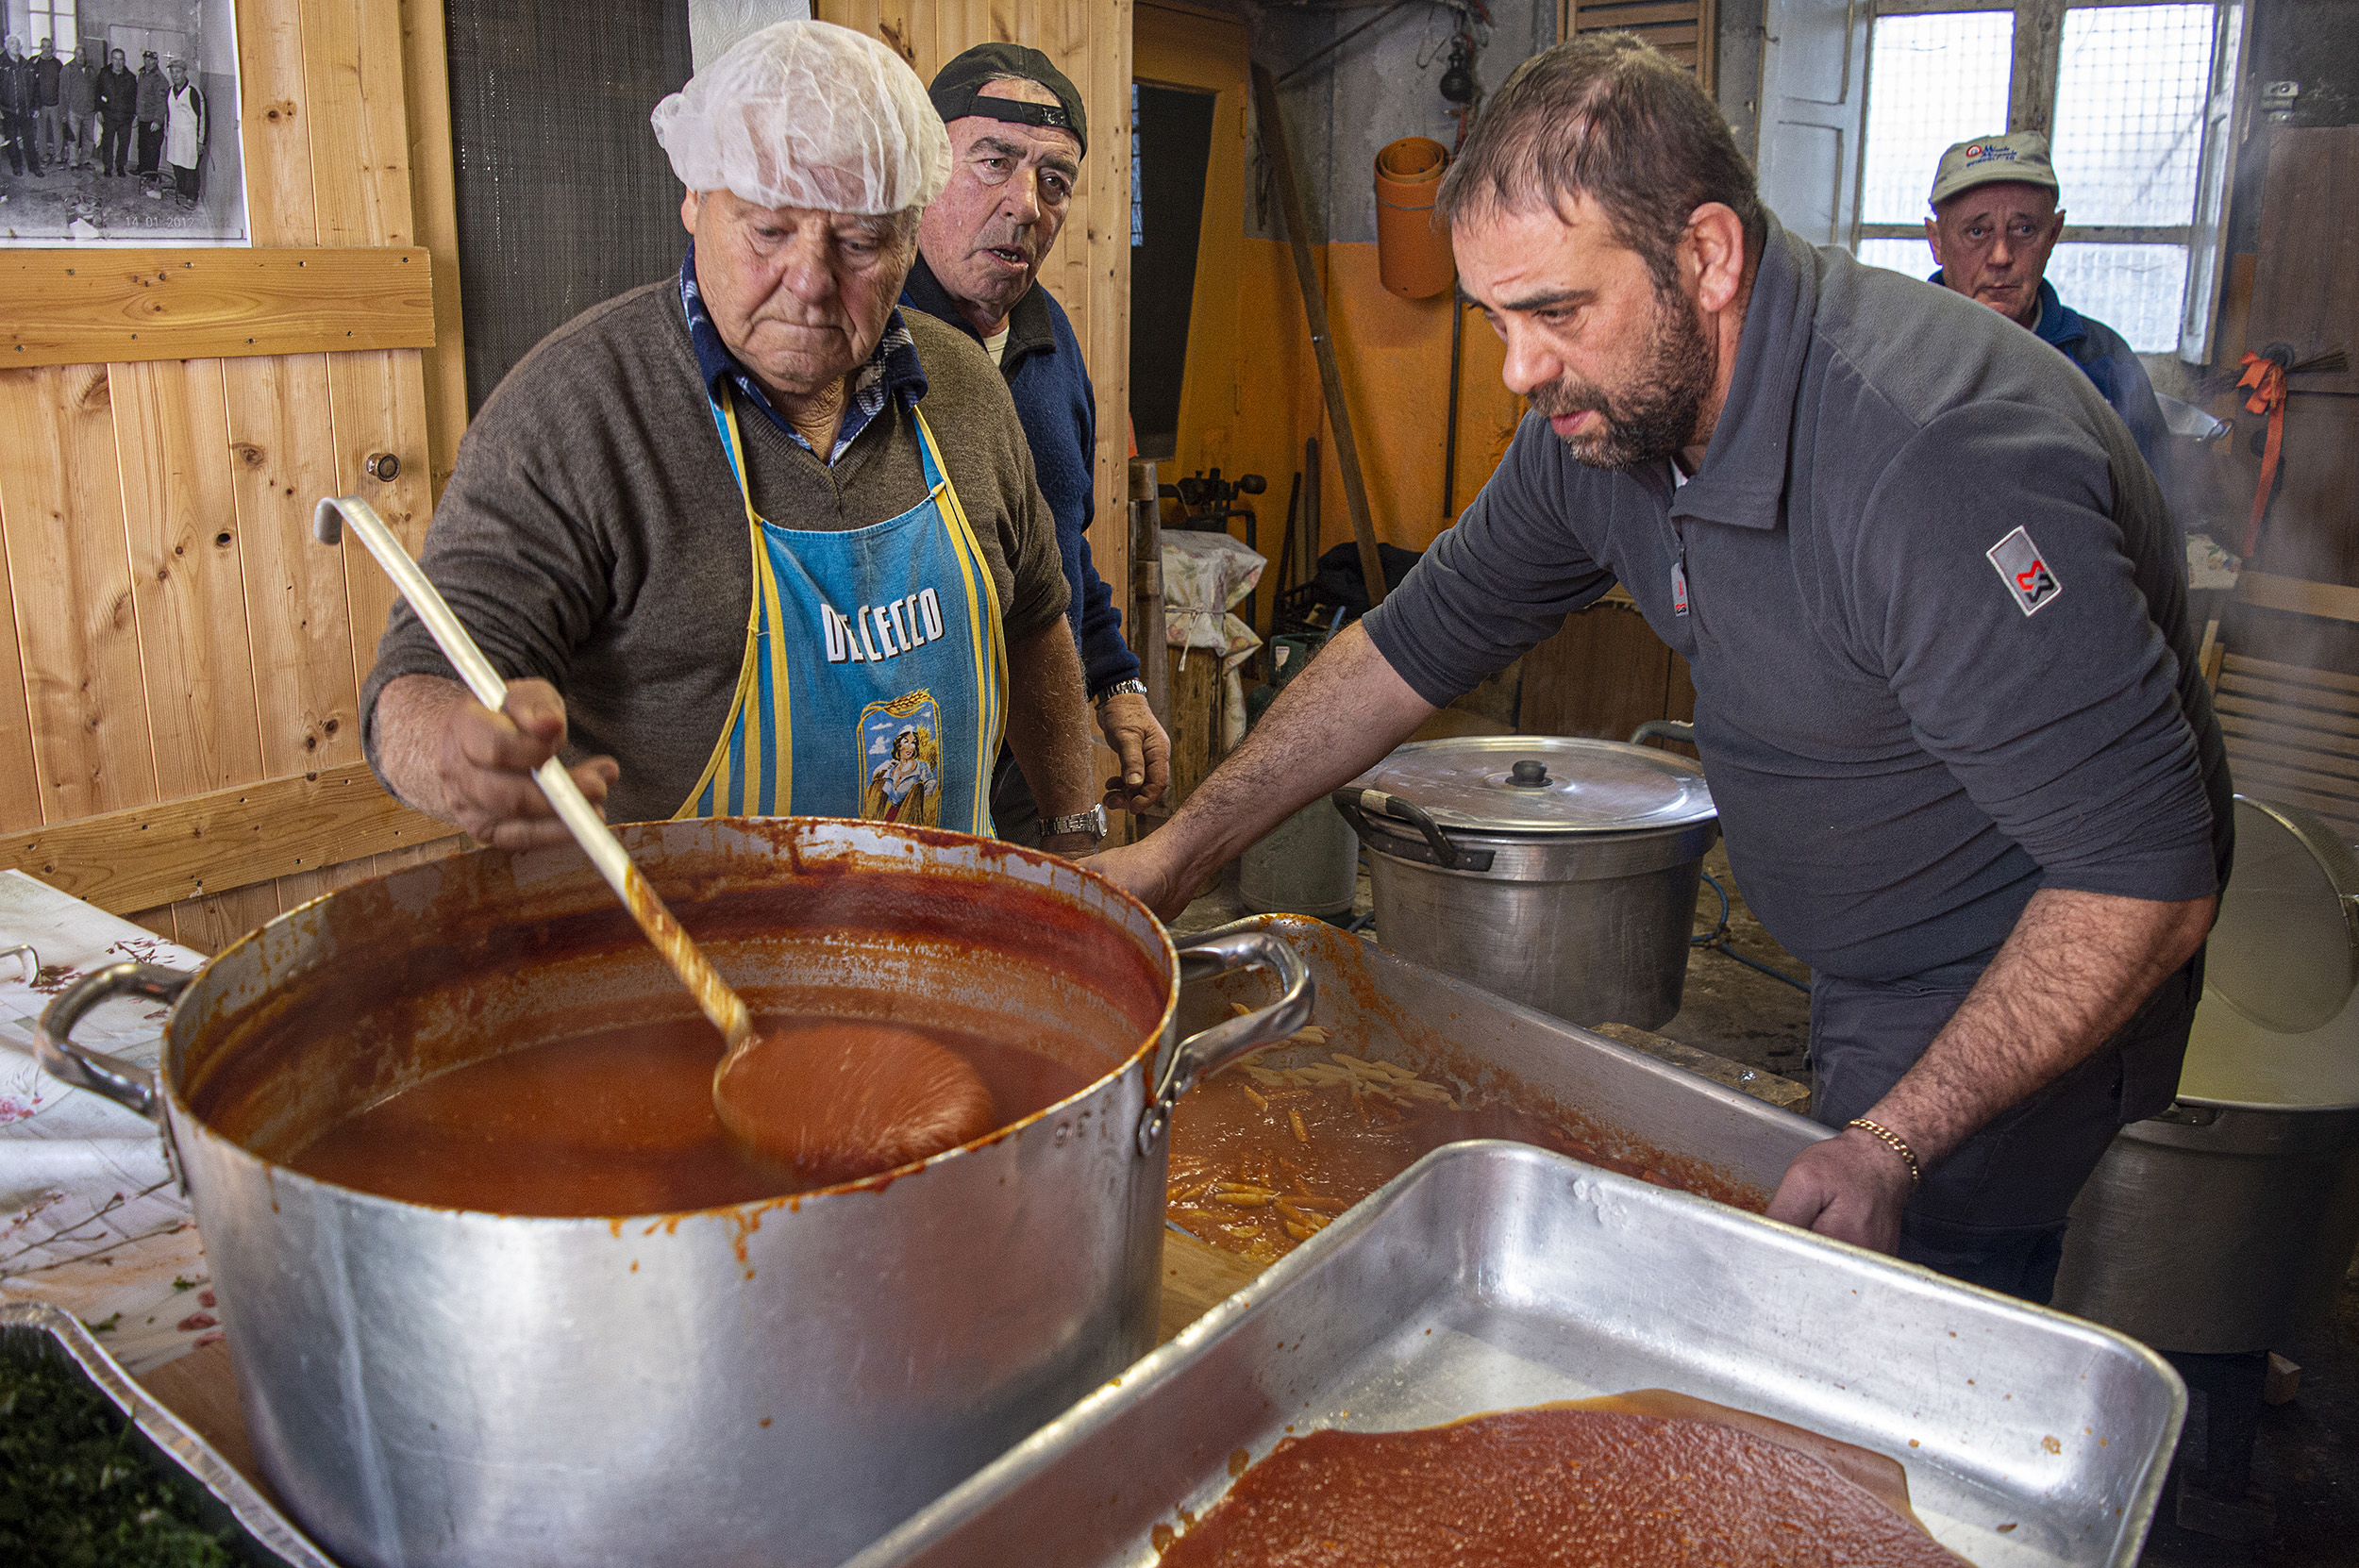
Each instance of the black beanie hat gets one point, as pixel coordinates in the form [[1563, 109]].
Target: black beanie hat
[[958, 89]]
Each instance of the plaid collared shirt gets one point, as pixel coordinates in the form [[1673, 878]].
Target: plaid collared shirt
[[892, 371]]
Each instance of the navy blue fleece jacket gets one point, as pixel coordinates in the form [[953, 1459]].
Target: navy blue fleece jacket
[[1058, 409]]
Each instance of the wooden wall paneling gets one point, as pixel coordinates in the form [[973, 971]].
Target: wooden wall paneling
[[434, 215], [274, 122], [859, 15], [77, 307], [171, 440], [2313, 527], [20, 796], [221, 838], [2305, 288], [70, 575], [214, 921], [284, 459], [379, 404], [895, 25], [282, 462], [976, 26], [352, 77], [1602, 676]]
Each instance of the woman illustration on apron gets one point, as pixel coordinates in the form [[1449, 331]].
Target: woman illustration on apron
[[876, 667], [900, 785]]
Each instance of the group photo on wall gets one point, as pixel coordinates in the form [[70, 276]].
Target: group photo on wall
[[120, 123]]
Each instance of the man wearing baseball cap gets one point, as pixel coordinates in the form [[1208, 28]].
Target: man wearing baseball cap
[[1018, 133], [751, 541], [1995, 223]]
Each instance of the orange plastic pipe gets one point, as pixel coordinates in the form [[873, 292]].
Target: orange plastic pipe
[[1412, 255]]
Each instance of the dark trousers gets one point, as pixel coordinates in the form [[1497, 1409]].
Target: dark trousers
[[23, 151], [151, 146], [1994, 1213], [114, 147], [1015, 815], [186, 180]]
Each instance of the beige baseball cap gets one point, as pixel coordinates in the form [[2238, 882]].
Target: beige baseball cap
[[2019, 156]]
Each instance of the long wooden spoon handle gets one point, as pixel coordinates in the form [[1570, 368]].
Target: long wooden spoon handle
[[719, 1003]]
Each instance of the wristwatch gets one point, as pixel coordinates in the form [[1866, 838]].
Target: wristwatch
[[1119, 688], [1092, 821]]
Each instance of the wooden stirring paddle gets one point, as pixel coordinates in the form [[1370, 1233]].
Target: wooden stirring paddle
[[837, 1101]]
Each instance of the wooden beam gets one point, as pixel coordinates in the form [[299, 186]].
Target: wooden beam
[[1273, 128], [2332, 600], [2038, 47], [210, 843], [434, 210], [76, 308]]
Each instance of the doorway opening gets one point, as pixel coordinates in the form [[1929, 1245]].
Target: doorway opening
[[1171, 142]]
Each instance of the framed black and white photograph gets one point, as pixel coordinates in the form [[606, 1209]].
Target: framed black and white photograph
[[119, 123]]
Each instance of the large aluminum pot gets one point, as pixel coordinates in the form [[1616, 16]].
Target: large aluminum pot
[[1559, 872], [2226, 1224], [776, 1382]]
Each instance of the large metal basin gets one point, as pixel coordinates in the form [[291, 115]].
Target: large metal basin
[[1717, 1141], [775, 1382], [1491, 1275]]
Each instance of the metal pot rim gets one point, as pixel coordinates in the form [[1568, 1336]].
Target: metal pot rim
[[181, 1115]]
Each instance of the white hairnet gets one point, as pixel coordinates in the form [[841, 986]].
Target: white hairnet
[[812, 115]]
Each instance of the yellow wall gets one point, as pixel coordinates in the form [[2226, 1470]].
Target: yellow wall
[[1394, 358]]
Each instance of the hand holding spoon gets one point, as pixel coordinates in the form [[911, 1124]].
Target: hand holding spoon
[[838, 1099]]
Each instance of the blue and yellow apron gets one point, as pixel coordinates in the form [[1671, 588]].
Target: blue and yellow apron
[[876, 665]]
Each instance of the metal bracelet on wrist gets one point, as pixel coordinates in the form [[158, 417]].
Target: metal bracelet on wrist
[[1894, 1141], [1092, 821], [1120, 688]]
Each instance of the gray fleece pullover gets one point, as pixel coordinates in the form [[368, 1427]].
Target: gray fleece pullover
[[593, 535], [1936, 619]]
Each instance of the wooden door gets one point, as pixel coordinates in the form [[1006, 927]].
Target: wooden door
[[179, 661]]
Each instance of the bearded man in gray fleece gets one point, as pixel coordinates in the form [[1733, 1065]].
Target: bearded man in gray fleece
[[749, 540], [1945, 690]]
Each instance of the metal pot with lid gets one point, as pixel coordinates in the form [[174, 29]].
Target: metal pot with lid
[[2225, 1223], [778, 1380], [1558, 872]]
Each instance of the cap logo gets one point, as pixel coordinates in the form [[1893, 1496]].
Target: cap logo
[[1016, 112], [2025, 572]]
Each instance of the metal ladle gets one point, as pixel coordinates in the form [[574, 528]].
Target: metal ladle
[[720, 1004]]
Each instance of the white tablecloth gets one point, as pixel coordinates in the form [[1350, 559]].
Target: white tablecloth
[[91, 1219]]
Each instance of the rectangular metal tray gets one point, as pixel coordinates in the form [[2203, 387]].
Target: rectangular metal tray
[[1385, 1007], [225, 1502], [1492, 1276]]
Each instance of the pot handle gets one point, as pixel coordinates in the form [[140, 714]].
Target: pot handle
[[127, 1083], [1207, 1052], [1353, 802]]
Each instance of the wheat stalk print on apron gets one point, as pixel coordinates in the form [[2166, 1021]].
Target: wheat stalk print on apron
[[876, 667]]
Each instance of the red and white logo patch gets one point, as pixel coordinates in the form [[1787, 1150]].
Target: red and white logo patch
[[2025, 572]]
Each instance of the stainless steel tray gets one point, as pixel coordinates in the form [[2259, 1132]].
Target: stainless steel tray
[[1494, 1275], [225, 1502], [1385, 1006]]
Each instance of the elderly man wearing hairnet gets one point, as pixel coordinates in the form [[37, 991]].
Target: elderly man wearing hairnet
[[750, 541]]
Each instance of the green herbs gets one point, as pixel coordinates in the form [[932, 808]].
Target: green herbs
[[76, 1489]]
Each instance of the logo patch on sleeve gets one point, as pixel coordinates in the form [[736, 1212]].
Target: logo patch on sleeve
[[2026, 575]]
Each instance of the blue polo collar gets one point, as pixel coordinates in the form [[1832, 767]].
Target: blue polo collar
[[891, 373], [1741, 479], [2057, 324]]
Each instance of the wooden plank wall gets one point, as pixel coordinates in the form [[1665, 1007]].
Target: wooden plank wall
[[170, 628], [1090, 272]]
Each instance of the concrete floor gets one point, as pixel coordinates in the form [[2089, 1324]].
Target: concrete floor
[[2306, 1456]]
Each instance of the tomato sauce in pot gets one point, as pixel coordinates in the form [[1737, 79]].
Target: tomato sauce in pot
[[617, 1121]]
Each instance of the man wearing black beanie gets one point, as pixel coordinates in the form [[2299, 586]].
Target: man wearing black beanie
[[1018, 133]]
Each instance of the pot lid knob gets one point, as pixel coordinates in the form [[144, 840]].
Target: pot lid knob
[[1529, 774]]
